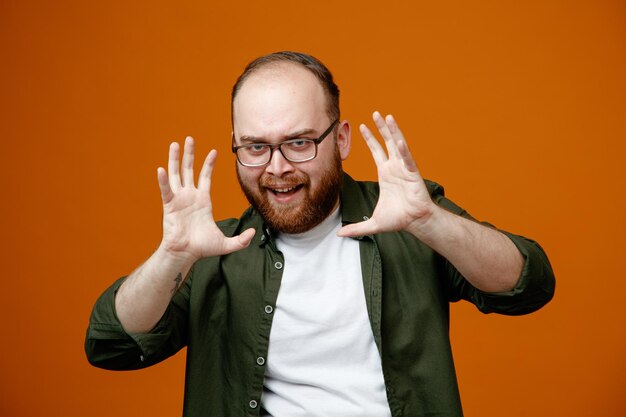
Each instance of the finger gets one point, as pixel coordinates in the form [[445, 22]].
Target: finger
[[235, 243], [378, 153], [173, 167], [204, 180], [395, 131], [402, 146], [390, 142], [164, 186], [407, 158], [187, 168], [368, 227]]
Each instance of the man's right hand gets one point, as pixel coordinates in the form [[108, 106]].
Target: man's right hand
[[189, 230], [189, 233]]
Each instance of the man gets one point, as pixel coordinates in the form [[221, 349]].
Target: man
[[328, 297]]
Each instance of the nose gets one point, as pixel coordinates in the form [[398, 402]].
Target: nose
[[278, 165]]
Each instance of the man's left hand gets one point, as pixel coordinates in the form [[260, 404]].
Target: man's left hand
[[404, 202]]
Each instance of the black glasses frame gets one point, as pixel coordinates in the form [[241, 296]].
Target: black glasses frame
[[279, 147]]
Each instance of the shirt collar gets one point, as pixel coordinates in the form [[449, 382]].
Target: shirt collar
[[354, 207]]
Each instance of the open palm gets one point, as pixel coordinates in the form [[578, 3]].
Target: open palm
[[404, 199], [189, 229]]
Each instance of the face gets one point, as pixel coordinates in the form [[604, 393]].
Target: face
[[283, 102]]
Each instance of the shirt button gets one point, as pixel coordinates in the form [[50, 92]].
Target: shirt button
[[263, 238], [253, 404], [365, 218], [269, 309], [260, 361], [278, 265]]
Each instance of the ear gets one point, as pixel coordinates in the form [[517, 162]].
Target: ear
[[343, 139]]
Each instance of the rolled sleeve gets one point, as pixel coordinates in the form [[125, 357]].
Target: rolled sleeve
[[109, 346], [533, 290]]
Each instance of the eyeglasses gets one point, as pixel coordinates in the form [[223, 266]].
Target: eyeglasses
[[294, 150]]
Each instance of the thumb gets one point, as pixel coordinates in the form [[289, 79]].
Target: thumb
[[367, 227], [235, 243]]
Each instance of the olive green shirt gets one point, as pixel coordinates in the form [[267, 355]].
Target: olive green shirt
[[223, 315]]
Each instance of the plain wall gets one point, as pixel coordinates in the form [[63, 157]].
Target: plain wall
[[517, 108]]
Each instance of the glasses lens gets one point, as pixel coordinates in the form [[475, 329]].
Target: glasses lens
[[256, 154], [298, 150]]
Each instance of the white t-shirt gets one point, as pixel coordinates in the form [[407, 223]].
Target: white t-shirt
[[322, 359]]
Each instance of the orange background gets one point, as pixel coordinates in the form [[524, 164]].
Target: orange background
[[518, 108]]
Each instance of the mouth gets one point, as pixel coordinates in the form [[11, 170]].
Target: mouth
[[284, 190], [284, 194]]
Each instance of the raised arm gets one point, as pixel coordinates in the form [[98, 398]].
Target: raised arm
[[189, 233], [485, 257]]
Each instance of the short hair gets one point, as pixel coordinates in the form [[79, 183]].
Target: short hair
[[314, 65]]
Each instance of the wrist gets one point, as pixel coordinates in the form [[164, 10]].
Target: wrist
[[429, 224], [181, 259]]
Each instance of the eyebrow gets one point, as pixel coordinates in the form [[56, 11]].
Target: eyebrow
[[297, 134]]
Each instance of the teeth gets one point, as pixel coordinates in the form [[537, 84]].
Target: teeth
[[283, 190]]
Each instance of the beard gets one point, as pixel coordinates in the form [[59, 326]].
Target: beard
[[305, 214]]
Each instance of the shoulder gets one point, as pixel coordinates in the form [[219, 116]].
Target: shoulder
[[435, 189], [248, 219]]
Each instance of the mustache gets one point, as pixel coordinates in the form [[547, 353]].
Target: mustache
[[289, 180]]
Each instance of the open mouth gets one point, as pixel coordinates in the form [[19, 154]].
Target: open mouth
[[285, 190]]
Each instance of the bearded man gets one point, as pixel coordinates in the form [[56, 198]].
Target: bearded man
[[328, 297]]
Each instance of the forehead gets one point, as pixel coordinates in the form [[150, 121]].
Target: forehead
[[277, 99]]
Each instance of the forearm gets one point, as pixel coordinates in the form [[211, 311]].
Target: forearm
[[488, 259], [143, 298]]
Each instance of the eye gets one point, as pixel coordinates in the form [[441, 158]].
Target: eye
[[256, 148], [299, 143]]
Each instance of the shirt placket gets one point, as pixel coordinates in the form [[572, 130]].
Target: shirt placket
[[371, 267], [274, 270]]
